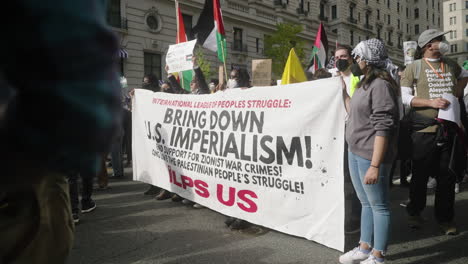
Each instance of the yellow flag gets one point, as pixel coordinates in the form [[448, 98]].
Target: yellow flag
[[293, 72]]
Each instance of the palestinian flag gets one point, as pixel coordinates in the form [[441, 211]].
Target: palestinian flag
[[184, 77], [209, 29], [319, 52]]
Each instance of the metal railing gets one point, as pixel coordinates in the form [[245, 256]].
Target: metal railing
[[322, 17], [352, 20], [239, 47], [117, 21]]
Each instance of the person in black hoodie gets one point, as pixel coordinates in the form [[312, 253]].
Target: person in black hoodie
[[165, 194], [198, 85], [151, 82], [238, 78]]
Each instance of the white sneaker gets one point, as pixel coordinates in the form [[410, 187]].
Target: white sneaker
[[353, 256], [371, 260], [198, 206], [457, 187], [432, 183]]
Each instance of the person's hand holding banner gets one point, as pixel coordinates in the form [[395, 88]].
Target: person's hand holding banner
[[179, 56]]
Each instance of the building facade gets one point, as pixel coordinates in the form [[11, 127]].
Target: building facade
[[393, 21], [147, 27], [456, 21]]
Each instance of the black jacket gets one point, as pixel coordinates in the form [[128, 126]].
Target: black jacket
[[199, 77]]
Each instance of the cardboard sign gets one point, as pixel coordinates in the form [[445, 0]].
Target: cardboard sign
[[261, 72], [179, 56]]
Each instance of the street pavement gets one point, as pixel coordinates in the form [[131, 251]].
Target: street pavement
[[129, 227]]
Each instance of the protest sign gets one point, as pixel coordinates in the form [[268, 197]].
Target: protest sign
[[273, 157], [261, 72], [179, 56], [409, 49]]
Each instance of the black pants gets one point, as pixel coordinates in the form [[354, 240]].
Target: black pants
[[127, 140], [86, 190], [432, 160]]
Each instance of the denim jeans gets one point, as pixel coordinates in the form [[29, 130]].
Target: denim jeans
[[116, 154], [86, 190], [375, 214]]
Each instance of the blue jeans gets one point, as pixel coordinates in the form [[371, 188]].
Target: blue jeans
[[375, 214]]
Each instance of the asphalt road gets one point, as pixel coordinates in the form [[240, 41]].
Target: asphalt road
[[128, 227]]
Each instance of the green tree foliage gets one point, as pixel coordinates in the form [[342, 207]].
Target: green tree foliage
[[203, 63], [278, 45]]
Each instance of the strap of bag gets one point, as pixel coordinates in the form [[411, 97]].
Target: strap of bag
[[417, 72]]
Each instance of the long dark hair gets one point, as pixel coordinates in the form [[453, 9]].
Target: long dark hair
[[374, 73], [153, 82], [152, 78], [243, 77]]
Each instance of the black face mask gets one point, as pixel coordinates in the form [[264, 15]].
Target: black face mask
[[342, 65], [356, 70]]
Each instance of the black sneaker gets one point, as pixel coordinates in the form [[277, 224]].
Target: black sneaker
[[153, 190], [88, 206], [229, 221], [116, 176], [76, 218], [239, 224]]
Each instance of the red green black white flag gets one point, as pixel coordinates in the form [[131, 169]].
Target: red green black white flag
[[210, 29], [319, 51]]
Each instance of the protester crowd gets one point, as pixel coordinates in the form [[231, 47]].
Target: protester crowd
[[392, 118], [391, 123]]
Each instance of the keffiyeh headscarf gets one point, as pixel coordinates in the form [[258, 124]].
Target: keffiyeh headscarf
[[373, 51]]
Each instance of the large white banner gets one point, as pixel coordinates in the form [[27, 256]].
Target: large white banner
[[270, 155]]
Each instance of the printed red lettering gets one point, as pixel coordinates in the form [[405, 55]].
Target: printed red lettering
[[186, 181], [252, 206], [231, 194], [202, 188]]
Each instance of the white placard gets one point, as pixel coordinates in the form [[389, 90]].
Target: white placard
[[273, 157], [179, 56], [409, 49], [452, 112]]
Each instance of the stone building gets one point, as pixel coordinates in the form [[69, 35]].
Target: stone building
[[147, 27], [456, 21]]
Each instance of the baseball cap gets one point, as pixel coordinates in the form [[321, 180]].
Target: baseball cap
[[429, 35]]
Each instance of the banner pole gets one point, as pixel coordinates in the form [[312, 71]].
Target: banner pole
[[224, 61]]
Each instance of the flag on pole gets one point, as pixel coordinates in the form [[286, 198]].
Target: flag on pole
[[210, 29], [220, 34], [319, 52], [185, 77], [293, 71], [181, 35]]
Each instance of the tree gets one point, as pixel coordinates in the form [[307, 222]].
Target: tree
[[278, 45], [203, 63]]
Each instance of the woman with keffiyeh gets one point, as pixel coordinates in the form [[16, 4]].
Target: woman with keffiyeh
[[371, 136]]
